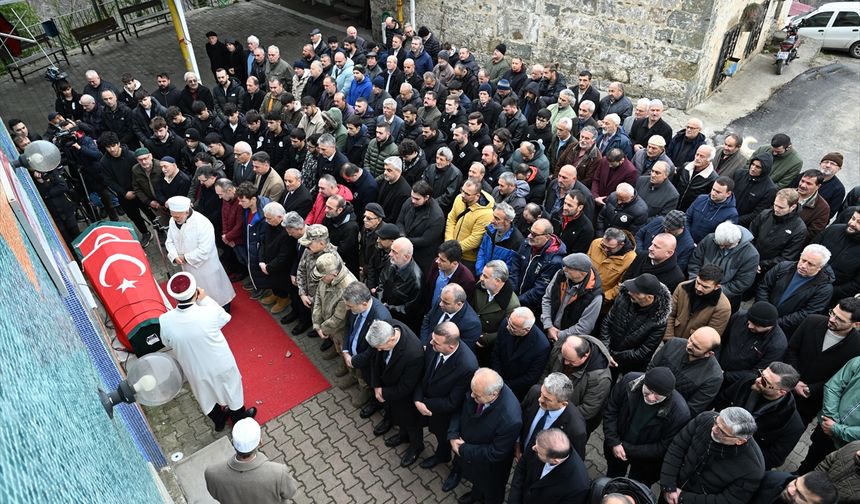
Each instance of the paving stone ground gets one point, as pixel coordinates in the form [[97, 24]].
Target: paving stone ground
[[332, 452]]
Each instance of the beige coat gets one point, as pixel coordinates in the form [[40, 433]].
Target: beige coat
[[329, 310], [681, 324]]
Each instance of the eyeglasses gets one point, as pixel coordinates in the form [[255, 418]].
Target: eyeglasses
[[536, 235], [832, 314], [764, 380], [464, 193], [721, 431]]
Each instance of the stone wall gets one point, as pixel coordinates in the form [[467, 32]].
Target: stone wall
[[658, 48]]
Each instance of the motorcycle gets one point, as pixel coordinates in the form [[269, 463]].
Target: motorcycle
[[787, 49]]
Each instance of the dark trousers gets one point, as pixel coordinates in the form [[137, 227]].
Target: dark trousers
[[646, 472], [488, 492], [443, 446], [301, 311], [135, 212], [821, 446]]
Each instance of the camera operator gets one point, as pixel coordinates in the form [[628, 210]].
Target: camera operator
[[56, 194], [80, 153]]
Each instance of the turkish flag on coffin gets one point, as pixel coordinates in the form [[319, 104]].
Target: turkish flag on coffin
[[116, 266]]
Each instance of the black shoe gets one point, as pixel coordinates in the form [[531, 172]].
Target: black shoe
[[410, 457], [467, 498], [431, 462], [451, 481], [326, 344], [289, 318], [301, 327], [396, 440], [251, 412], [382, 427], [369, 409], [145, 239]]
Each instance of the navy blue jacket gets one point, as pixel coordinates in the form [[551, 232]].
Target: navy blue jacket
[[443, 392], [466, 320], [704, 215], [364, 354], [520, 365]]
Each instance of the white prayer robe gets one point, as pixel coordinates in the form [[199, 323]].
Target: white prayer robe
[[194, 334], [196, 241]]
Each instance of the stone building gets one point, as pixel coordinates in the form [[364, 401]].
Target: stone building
[[675, 50]]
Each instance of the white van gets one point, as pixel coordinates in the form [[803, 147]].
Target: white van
[[836, 24]]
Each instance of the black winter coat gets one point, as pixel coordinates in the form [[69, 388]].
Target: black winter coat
[[632, 334], [630, 216], [711, 472], [656, 435], [425, 228], [117, 171], [754, 194], [400, 290], [343, 233], [668, 271], [276, 252], [810, 299], [741, 351], [777, 239], [846, 268]]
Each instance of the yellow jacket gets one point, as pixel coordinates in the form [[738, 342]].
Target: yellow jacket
[[467, 226], [611, 267]]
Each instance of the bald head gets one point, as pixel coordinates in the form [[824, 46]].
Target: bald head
[[702, 343], [662, 247], [486, 385]]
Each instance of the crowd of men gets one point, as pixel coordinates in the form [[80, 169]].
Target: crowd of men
[[510, 262]]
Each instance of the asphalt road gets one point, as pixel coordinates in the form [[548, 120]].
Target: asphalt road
[[820, 111]]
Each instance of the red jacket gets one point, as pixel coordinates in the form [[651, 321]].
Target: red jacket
[[231, 220], [606, 179], [317, 213]]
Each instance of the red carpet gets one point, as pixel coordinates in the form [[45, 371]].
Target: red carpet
[[273, 383]]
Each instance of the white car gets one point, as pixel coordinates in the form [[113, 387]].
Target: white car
[[837, 25]]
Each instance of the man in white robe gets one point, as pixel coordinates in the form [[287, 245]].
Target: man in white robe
[[191, 244], [193, 331]]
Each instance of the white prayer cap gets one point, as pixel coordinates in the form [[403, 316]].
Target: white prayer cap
[[182, 286], [179, 204], [246, 435]]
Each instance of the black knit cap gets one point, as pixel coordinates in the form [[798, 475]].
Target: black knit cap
[[660, 380], [763, 314]]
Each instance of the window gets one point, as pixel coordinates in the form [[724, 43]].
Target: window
[[850, 19], [819, 20]]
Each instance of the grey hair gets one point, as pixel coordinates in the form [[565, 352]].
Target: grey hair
[[711, 151], [445, 151], [643, 101], [186, 75], [508, 178], [656, 103], [818, 249], [274, 209], [224, 183], [568, 93], [294, 221], [90, 74], [495, 385], [274, 49], [588, 104], [508, 210], [241, 147], [526, 314], [356, 293], [617, 84], [589, 129], [458, 292], [739, 421], [615, 234], [389, 102], [567, 122], [329, 179], [625, 188], [559, 385], [86, 99], [294, 172], [738, 139], [253, 39], [727, 233], [316, 64], [326, 139], [406, 243], [498, 268], [378, 333], [529, 146], [394, 162]]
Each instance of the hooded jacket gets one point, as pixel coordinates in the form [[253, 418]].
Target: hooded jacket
[[517, 198], [708, 472], [811, 298], [633, 333], [754, 194], [467, 224], [591, 381], [530, 106], [704, 215], [504, 249], [777, 239], [612, 266], [539, 161], [581, 308], [530, 273], [845, 249], [343, 232], [334, 123], [739, 264], [785, 167]]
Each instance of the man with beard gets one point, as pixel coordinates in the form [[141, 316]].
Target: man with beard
[[253, 99], [116, 165], [698, 303], [615, 102], [656, 190], [831, 188], [659, 260], [843, 241], [779, 487], [489, 108], [650, 125], [694, 365], [754, 190], [642, 417], [423, 222], [116, 117], [163, 141], [751, 341], [778, 233], [395, 190], [768, 398], [166, 94], [715, 456], [728, 158], [193, 92], [572, 226], [786, 161], [814, 210]]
